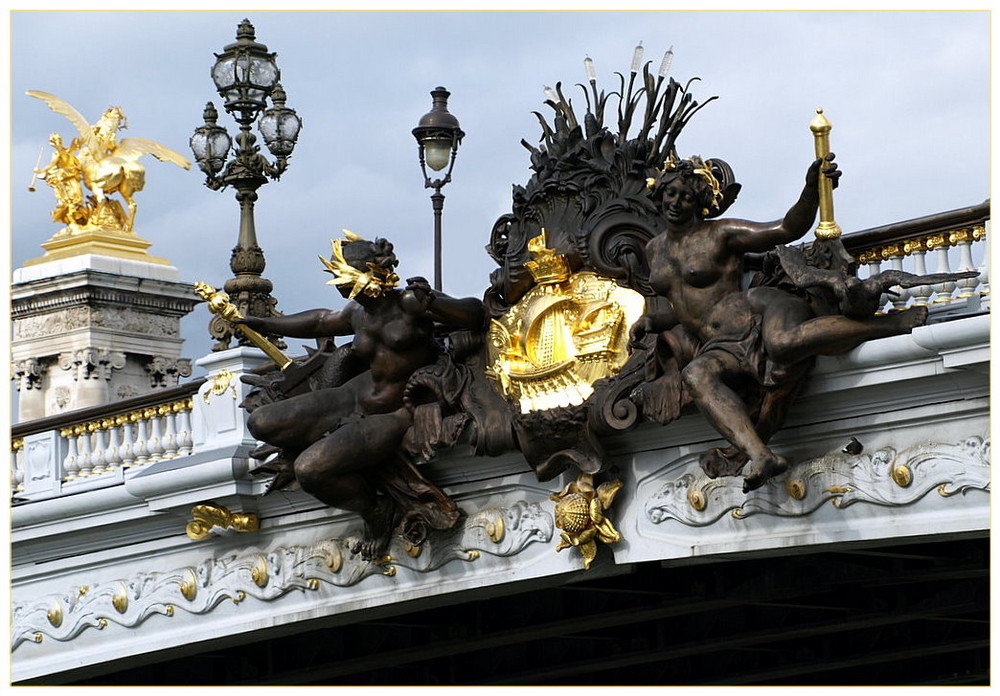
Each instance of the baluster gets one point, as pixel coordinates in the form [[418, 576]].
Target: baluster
[[169, 440], [71, 465], [139, 449], [125, 452], [962, 239], [979, 233], [153, 444], [897, 296], [112, 455], [83, 442], [16, 465], [185, 444], [917, 250], [939, 244], [98, 460]]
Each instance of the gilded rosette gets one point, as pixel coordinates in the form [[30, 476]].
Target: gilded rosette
[[580, 509]]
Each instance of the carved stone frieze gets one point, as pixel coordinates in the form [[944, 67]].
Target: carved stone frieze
[[124, 319], [269, 574], [886, 477], [126, 391], [42, 325], [134, 321]]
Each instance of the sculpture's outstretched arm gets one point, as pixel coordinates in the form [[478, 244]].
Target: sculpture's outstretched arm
[[313, 323], [458, 313], [747, 236]]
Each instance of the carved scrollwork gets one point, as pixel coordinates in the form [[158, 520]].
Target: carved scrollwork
[[92, 363], [268, 575], [885, 477], [616, 244], [28, 374]]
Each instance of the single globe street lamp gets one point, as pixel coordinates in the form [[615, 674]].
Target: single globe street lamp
[[438, 137]]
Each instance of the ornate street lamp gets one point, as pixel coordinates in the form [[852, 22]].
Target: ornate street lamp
[[246, 76], [438, 137]]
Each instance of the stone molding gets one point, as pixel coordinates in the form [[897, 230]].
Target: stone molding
[[268, 574], [885, 477], [35, 304]]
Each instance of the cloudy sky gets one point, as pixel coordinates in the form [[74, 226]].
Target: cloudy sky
[[907, 93]]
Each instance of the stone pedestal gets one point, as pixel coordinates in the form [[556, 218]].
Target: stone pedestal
[[92, 329]]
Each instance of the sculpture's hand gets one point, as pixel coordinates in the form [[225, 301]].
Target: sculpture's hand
[[418, 294], [829, 169], [642, 326]]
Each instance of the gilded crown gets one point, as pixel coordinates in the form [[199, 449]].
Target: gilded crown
[[546, 265]]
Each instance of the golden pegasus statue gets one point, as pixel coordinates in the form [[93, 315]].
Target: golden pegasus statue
[[105, 166]]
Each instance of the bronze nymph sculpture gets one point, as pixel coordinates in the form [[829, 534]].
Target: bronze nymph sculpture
[[341, 443], [727, 340]]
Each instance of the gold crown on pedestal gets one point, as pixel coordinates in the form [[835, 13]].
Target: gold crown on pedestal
[[546, 266]]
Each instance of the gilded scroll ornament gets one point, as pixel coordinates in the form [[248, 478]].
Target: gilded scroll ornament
[[217, 519], [259, 572], [580, 509], [796, 488], [189, 586], [495, 529], [220, 382], [902, 475], [120, 599], [55, 614]]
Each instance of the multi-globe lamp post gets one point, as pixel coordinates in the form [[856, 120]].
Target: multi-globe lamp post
[[438, 137], [246, 77]]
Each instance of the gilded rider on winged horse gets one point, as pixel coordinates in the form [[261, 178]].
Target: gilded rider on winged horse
[[105, 165]]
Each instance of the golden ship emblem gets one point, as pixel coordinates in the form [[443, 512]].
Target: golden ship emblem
[[567, 332]]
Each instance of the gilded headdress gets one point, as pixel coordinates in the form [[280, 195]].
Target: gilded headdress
[[373, 280], [692, 166]]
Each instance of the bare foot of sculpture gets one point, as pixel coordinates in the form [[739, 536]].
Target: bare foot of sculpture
[[718, 462], [763, 468], [378, 530]]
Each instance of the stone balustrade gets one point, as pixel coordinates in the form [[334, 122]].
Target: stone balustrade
[[52, 456], [947, 242], [129, 439]]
